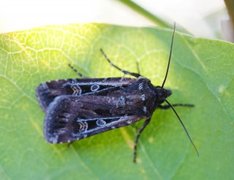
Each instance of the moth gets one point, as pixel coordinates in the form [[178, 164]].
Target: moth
[[83, 107]]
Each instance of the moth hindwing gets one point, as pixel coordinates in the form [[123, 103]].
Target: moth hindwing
[[79, 108]]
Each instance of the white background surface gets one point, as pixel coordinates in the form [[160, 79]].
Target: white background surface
[[200, 17]]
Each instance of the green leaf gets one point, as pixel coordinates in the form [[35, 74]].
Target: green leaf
[[201, 73]]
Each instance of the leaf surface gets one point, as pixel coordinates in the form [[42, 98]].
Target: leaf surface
[[201, 73]]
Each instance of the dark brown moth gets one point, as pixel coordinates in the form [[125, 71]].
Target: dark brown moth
[[79, 108]]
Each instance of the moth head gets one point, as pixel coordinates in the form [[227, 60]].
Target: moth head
[[162, 94]]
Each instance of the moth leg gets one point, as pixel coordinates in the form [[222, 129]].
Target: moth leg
[[134, 125], [75, 70], [139, 131], [69, 144], [174, 105], [122, 70], [138, 67]]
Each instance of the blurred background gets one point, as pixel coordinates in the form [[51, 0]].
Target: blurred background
[[209, 18]]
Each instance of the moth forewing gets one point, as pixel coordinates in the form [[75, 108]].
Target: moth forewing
[[71, 117], [46, 92]]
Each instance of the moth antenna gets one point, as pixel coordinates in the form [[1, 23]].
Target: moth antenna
[[186, 131], [169, 60]]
